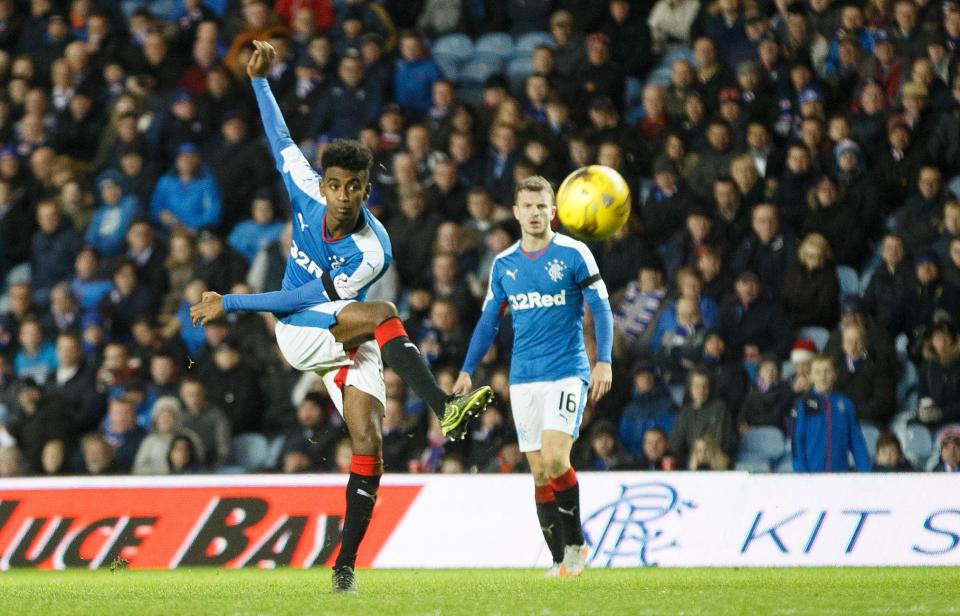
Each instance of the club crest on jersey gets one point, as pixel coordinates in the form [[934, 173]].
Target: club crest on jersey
[[336, 262], [555, 269]]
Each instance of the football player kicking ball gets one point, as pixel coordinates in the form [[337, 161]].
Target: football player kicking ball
[[338, 250], [544, 279]]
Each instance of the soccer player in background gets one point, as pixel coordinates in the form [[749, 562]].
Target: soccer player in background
[[544, 279], [338, 249]]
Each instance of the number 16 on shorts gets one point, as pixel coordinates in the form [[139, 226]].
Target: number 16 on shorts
[[547, 405]]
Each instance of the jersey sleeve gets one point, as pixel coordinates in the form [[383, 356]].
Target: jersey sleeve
[[278, 302], [373, 262], [298, 175], [587, 277], [489, 323]]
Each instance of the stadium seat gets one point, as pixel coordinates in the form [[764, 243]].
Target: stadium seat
[[907, 385], [250, 451], [678, 393], [787, 369], [526, 43], [753, 465], [458, 46], [449, 65], [632, 92], [849, 280], [870, 435], [917, 444], [495, 43], [761, 448], [660, 76], [819, 335], [518, 69], [677, 53], [478, 69]]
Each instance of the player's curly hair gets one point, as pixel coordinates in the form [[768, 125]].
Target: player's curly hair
[[347, 154]]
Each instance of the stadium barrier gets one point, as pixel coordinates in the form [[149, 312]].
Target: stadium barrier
[[630, 519]]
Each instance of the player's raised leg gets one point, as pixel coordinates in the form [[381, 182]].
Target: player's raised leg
[[363, 414], [363, 321], [547, 513], [566, 490]]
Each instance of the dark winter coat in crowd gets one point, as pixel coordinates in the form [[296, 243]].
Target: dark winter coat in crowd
[[237, 392], [240, 167], [52, 255], [222, 272], [728, 380], [653, 409], [33, 430], [16, 229], [811, 297], [412, 241], [941, 382], [712, 418], [83, 405], [762, 323], [922, 303], [767, 408], [790, 197], [885, 296], [845, 233], [664, 215], [871, 388], [768, 261], [918, 221], [895, 174], [880, 345]]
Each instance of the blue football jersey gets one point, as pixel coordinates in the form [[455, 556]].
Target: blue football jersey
[[544, 292], [354, 261]]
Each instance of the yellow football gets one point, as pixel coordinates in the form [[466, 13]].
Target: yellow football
[[593, 203]]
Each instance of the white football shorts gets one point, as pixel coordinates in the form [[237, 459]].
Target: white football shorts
[[547, 405], [307, 344]]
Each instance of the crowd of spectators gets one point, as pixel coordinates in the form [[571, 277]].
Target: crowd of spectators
[[794, 166]]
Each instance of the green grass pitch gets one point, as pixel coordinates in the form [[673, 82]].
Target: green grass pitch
[[476, 592]]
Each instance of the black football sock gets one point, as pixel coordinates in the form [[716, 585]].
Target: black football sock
[[550, 522], [362, 488], [566, 490], [404, 358]]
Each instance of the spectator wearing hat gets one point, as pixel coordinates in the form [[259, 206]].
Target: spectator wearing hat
[[832, 216], [187, 195], [930, 297], [703, 413], [651, 406], [862, 377], [917, 221], [859, 187], [767, 250], [811, 291], [749, 320], [885, 68], [801, 354], [769, 399], [114, 215], [949, 452], [54, 246], [181, 124], [939, 378], [668, 202], [825, 429], [252, 235], [890, 284]]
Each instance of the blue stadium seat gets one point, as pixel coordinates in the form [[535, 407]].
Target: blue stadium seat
[[761, 448], [677, 53], [907, 385], [526, 43], [917, 444], [849, 280], [660, 76], [632, 92], [870, 435], [250, 452], [478, 69], [496, 43], [459, 46], [449, 65], [518, 69], [819, 336]]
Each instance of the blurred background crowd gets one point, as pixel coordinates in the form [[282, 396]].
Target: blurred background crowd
[[794, 166]]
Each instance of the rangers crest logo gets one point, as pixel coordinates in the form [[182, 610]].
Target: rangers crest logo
[[555, 269]]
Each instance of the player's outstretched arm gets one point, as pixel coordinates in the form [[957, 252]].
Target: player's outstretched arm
[[213, 305], [258, 67]]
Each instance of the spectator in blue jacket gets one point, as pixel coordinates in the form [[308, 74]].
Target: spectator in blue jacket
[[651, 407], [188, 195], [825, 426], [414, 76], [55, 244], [37, 358], [250, 236], [112, 219]]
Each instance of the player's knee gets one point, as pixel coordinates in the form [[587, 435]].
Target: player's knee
[[368, 443], [383, 311], [555, 465]]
